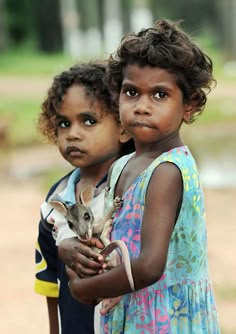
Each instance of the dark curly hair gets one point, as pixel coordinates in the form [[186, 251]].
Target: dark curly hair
[[91, 76], [168, 47]]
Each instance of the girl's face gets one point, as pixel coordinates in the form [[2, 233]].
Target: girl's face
[[151, 105], [86, 135]]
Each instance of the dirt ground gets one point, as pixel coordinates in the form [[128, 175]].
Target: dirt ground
[[22, 311]]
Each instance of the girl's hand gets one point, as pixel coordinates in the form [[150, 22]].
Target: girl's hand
[[75, 285], [80, 257], [108, 304]]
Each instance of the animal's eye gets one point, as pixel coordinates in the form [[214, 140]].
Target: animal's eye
[[70, 224], [86, 216]]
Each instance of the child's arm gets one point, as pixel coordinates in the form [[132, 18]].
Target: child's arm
[[46, 272], [53, 315], [163, 200], [80, 257]]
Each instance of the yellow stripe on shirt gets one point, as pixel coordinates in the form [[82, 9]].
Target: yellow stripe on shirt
[[46, 289]]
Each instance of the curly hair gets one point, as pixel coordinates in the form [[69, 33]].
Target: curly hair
[[168, 47], [91, 76]]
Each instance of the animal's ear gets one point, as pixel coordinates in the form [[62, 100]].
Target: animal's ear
[[59, 206], [87, 195]]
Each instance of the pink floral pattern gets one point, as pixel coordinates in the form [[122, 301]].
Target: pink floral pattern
[[182, 301]]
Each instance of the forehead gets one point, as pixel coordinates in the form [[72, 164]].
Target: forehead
[[147, 75], [76, 94], [78, 99]]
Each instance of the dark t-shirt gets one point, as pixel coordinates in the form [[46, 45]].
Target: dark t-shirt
[[52, 281]]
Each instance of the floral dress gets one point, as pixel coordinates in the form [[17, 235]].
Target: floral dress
[[182, 300]]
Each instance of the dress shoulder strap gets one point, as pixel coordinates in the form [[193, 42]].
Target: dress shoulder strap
[[115, 174]]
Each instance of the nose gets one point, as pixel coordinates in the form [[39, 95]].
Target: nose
[[74, 132], [142, 106]]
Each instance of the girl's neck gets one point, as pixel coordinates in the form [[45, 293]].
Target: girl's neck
[[153, 150]]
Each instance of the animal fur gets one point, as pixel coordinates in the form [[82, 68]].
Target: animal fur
[[81, 220]]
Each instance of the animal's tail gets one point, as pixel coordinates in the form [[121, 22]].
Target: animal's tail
[[125, 255]]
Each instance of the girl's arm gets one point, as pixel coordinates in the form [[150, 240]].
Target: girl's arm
[[162, 204]]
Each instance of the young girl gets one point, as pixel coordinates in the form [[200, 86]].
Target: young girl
[[78, 116], [160, 76]]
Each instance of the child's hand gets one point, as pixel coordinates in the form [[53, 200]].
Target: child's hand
[[80, 257], [75, 286], [108, 304]]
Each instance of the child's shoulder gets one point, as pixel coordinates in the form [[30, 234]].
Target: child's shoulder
[[59, 185], [119, 164], [179, 156], [123, 160]]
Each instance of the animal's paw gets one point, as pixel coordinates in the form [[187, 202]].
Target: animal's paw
[[108, 304], [118, 202]]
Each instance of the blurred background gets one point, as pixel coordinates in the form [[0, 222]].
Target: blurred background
[[39, 39]]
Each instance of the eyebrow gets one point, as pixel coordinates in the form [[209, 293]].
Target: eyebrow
[[156, 86], [81, 114]]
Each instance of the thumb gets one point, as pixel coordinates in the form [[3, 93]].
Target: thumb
[[71, 273]]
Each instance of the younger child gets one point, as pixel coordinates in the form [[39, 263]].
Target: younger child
[[78, 116], [160, 76]]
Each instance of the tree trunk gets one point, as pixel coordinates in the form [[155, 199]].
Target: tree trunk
[[92, 32], [3, 30], [141, 15], [48, 25], [72, 36], [112, 25], [228, 14]]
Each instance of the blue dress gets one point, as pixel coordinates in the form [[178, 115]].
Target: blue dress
[[182, 300]]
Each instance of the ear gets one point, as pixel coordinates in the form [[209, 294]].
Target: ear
[[87, 195], [190, 109], [124, 136], [59, 206]]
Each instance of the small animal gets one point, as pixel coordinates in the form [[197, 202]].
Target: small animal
[[81, 220]]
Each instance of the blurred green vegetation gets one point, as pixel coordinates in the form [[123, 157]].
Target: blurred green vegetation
[[25, 61], [20, 115], [20, 112]]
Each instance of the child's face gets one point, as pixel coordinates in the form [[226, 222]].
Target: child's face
[[151, 105], [87, 136]]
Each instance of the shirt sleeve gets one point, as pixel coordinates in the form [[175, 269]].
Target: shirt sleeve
[[46, 259]]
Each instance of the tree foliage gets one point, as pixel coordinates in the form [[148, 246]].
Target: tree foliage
[[40, 20]]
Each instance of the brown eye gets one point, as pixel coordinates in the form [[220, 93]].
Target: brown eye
[[86, 216]]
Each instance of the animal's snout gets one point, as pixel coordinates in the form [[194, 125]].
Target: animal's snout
[[85, 237]]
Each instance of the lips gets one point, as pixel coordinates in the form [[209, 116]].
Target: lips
[[141, 124], [73, 150]]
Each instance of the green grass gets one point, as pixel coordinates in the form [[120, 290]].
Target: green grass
[[218, 110], [29, 63], [20, 116]]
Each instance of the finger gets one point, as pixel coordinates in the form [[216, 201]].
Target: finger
[[88, 252], [83, 272], [109, 304], [87, 267], [95, 242], [71, 273]]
